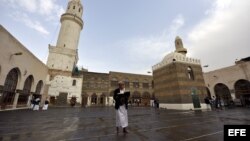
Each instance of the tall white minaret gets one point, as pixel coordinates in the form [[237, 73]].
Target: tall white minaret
[[64, 55]]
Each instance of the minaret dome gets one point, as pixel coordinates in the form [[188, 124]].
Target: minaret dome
[[179, 46]]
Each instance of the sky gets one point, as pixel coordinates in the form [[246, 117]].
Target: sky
[[133, 35]]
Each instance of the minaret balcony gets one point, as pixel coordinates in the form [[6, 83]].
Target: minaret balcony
[[73, 17]]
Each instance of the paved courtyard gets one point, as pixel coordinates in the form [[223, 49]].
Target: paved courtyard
[[98, 124]]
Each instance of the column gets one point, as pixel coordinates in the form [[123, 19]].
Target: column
[[106, 101], [15, 100], [88, 101]]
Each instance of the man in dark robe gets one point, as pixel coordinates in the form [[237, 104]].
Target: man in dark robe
[[121, 105]]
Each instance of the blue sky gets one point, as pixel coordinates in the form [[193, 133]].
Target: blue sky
[[133, 35]]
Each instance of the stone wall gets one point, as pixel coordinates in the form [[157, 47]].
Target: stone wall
[[173, 85], [227, 76]]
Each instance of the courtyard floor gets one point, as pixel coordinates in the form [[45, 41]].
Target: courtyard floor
[[98, 124]]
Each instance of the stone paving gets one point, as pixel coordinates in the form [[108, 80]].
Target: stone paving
[[98, 124]]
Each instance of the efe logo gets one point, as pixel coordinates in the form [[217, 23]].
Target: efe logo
[[236, 132]]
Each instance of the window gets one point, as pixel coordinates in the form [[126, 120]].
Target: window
[[74, 83], [136, 84], [51, 77], [114, 82], [68, 7], [190, 73], [79, 9], [74, 7], [145, 85], [126, 82]]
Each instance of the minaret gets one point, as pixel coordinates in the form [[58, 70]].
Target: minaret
[[179, 46], [64, 55]]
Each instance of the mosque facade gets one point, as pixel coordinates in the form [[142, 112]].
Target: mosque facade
[[178, 81]]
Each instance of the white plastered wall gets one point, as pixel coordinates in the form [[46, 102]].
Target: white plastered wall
[[63, 84]]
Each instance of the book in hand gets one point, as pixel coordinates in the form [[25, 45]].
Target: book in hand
[[126, 92]]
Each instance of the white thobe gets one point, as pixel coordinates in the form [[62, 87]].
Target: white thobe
[[45, 106], [122, 117], [36, 107]]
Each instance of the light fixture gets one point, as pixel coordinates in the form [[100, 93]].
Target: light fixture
[[17, 54], [205, 66]]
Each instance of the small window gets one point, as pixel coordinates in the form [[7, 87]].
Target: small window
[[190, 73], [114, 82], [68, 7], [145, 85], [52, 65], [74, 83], [74, 7], [136, 84], [126, 82], [79, 9], [64, 45]]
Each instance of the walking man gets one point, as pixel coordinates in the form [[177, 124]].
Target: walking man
[[121, 106]]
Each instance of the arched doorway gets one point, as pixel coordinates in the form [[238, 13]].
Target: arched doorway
[[136, 98], [84, 100], [39, 87], [9, 88], [102, 99], [94, 99], [145, 99], [24, 95], [222, 92], [242, 91]]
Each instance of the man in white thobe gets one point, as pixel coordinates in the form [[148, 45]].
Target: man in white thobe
[[36, 104], [121, 106]]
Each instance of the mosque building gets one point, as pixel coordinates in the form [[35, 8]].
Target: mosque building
[[178, 81]]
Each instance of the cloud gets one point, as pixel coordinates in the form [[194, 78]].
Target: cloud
[[50, 8], [27, 5], [177, 23], [23, 18], [223, 35], [40, 7], [28, 11], [147, 51], [46, 7]]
